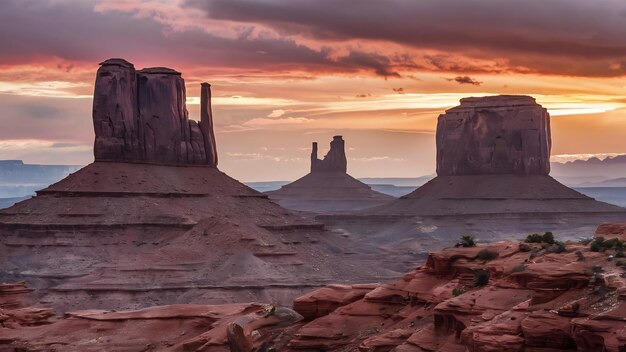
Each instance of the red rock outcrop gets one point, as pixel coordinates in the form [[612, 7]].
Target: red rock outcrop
[[141, 116], [461, 300], [173, 328], [494, 135], [562, 303], [612, 230]]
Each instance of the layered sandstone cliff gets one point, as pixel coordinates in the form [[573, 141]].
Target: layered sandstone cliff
[[494, 135], [141, 116], [328, 187]]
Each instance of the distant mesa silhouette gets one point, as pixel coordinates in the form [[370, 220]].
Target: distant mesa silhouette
[[334, 161], [141, 116], [328, 187]]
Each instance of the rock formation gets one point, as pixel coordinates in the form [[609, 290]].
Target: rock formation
[[494, 135], [504, 296], [493, 158], [149, 223], [334, 161], [328, 187], [141, 116], [524, 296]]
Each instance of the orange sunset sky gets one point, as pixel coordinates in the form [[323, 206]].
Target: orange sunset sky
[[286, 73]]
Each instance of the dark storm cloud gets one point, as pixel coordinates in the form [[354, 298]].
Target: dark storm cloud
[[465, 80], [577, 37], [380, 64], [35, 30]]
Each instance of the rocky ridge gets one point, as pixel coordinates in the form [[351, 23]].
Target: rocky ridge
[[541, 295]]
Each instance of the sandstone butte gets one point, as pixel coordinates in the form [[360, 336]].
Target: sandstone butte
[[493, 157], [532, 297], [154, 221], [328, 188]]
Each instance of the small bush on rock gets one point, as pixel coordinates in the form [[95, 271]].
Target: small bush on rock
[[557, 247], [466, 241], [600, 244], [481, 277], [487, 255], [457, 292], [547, 237]]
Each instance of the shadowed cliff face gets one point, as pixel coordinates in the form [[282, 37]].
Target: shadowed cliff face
[[494, 135], [334, 161], [141, 116]]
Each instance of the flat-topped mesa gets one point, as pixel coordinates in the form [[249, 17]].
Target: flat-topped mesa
[[141, 116], [506, 134], [334, 161]]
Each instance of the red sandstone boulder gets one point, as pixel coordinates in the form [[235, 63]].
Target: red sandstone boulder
[[325, 300], [612, 230]]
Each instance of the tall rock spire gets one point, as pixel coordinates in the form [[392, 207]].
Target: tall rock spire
[[314, 159], [206, 124]]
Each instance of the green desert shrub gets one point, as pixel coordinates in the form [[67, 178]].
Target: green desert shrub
[[600, 244], [486, 255], [457, 292], [579, 256], [613, 243], [481, 277], [466, 241], [547, 237], [557, 247]]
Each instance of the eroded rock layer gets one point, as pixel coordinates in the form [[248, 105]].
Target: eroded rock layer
[[500, 297], [127, 235], [141, 116], [494, 135]]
